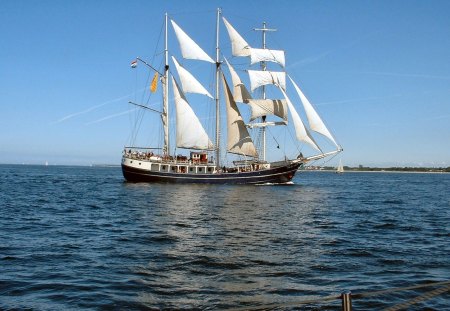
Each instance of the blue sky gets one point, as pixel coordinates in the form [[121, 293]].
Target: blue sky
[[378, 72]]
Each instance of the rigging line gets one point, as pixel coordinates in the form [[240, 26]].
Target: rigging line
[[137, 124], [396, 289], [146, 83], [297, 143], [143, 61], [245, 18], [270, 132], [420, 298], [145, 107], [150, 95], [229, 58], [161, 30], [191, 12]]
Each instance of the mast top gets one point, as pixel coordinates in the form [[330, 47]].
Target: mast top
[[264, 30]]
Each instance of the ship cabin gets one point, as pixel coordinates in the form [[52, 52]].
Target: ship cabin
[[199, 157], [197, 163]]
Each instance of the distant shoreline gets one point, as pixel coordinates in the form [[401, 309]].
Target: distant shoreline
[[427, 170], [383, 170]]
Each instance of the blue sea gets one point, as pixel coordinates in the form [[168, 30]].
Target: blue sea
[[80, 238]]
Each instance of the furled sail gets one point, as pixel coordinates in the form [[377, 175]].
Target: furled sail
[[239, 140], [300, 129], [239, 47], [315, 122], [266, 55], [240, 92], [190, 49], [264, 107], [260, 78], [188, 82], [190, 132]]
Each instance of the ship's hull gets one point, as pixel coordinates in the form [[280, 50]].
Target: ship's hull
[[280, 174]]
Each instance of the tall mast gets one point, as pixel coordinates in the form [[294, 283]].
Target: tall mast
[[217, 92], [165, 114], [264, 67]]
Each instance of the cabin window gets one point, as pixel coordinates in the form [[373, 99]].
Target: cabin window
[[210, 169], [200, 169], [155, 167], [191, 169]]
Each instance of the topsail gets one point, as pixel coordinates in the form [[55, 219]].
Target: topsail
[[190, 49], [315, 122], [239, 46]]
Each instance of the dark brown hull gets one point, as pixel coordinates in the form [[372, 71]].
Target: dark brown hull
[[280, 174]]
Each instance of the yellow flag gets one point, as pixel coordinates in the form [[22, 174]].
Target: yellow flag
[[154, 84]]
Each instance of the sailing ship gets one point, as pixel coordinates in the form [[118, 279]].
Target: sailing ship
[[340, 168], [205, 161]]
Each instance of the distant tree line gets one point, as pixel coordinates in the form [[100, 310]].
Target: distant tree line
[[393, 169]]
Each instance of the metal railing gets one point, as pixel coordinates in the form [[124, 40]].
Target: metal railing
[[347, 298]]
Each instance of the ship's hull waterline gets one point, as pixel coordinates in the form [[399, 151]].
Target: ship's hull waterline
[[280, 174]]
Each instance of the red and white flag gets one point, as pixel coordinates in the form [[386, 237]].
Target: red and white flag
[[134, 64]]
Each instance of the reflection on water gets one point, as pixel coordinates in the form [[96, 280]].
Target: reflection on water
[[82, 238], [238, 244]]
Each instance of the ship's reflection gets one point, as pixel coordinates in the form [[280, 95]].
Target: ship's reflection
[[225, 245]]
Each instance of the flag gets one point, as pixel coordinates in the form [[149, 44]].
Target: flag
[[154, 84], [134, 64]]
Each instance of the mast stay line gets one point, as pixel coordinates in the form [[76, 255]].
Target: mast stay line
[[145, 107], [144, 62]]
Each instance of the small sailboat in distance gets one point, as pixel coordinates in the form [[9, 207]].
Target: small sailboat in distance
[[340, 168]]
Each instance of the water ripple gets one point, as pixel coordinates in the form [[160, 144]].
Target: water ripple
[[81, 238]]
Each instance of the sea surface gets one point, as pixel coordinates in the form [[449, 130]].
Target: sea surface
[[80, 238]]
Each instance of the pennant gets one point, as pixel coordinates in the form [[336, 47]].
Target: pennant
[[154, 84], [134, 64]]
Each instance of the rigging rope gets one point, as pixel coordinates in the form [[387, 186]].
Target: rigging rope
[[402, 306]]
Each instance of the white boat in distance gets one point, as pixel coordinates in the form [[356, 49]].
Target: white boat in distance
[[340, 168], [206, 161]]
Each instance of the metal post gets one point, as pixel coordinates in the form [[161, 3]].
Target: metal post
[[346, 301], [217, 92], [165, 114]]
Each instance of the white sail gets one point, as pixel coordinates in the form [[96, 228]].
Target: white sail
[[188, 82], [315, 122], [260, 78], [340, 168], [300, 129], [239, 140], [190, 132], [190, 49], [239, 47], [266, 55], [240, 92], [264, 107]]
